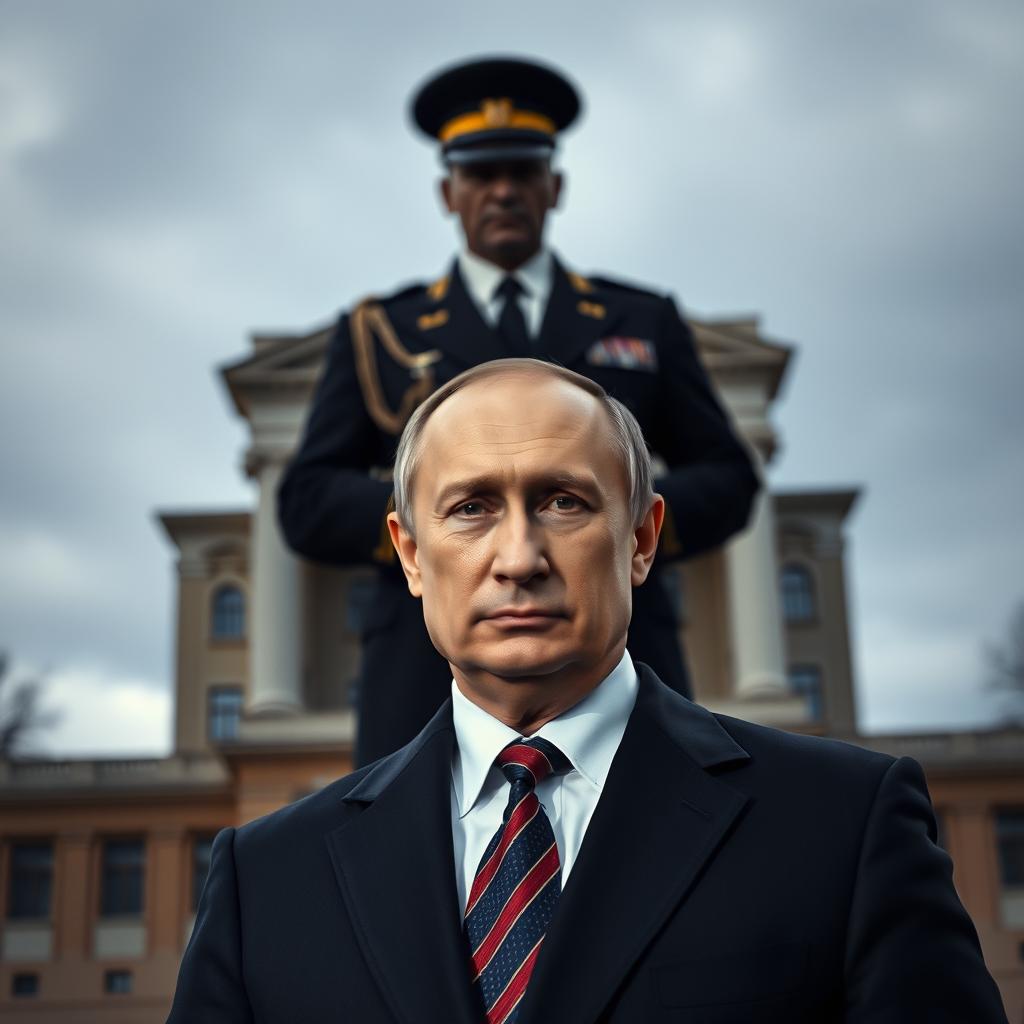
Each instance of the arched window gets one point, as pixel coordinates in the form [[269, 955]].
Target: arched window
[[798, 604], [228, 613]]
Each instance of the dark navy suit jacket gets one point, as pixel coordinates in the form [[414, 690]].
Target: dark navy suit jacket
[[731, 874]]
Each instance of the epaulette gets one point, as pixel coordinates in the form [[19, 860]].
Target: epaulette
[[625, 286], [438, 290], [407, 291]]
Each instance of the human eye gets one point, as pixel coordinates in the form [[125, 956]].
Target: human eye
[[469, 510], [566, 503]]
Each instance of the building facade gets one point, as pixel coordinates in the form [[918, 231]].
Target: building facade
[[102, 861]]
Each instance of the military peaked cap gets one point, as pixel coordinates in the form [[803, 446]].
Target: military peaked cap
[[499, 108]]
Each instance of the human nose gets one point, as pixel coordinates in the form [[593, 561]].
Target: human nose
[[505, 188], [519, 553]]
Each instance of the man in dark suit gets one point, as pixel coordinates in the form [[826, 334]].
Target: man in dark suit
[[505, 295], [569, 841]]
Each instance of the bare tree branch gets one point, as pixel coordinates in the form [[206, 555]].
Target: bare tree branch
[[20, 712]]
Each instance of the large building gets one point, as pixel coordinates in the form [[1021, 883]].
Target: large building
[[102, 861]]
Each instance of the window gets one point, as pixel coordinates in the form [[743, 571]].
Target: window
[[31, 880], [117, 982], [124, 870], [228, 613], [805, 680], [224, 711], [1010, 845], [798, 603], [202, 846], [25, 985], [1010, 838]]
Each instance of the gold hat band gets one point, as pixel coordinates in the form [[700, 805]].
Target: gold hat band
[[494, 115]]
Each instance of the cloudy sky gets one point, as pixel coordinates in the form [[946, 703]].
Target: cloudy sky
[[174, 176]]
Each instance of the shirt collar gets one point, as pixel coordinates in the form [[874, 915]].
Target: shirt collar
[[588, 733], [482, 278]]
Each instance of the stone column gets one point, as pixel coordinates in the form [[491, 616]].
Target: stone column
[[759, 661], [276, 629]]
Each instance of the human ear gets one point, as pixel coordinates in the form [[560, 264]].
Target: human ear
[[557, 181], [646, 539], [405, 546], [445, 186]]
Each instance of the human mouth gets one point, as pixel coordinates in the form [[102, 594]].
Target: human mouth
[[506, 219], [523, 618]]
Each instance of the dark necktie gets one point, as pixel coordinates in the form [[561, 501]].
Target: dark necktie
[[517, 884], [511, 323]]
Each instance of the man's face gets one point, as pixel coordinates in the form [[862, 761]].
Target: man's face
[[524, 551], [502, 206]]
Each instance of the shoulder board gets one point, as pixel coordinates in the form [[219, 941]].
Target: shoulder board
[[438, 290], [579, 283], [423, 291], [624, 286]]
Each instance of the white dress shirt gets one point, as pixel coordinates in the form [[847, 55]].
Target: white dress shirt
[[482, 280], [588, 734]]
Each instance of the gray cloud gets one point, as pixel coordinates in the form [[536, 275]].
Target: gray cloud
[[171, 178]]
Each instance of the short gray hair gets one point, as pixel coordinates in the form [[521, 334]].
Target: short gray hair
[[627, 435]]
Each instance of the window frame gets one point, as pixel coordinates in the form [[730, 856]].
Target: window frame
[[235, 629], [109, 906], [1009, 880], [213, 714], [109, 988], [34, 986], [814, 699], [197, 885], [13, 874], [798, 608]]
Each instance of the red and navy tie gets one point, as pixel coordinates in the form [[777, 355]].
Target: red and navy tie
[[517, 884]]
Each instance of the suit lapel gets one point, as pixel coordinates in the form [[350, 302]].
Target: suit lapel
[[395, 866], [660, 819], [576, 317]]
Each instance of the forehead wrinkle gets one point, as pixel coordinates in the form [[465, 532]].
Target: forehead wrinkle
[[546, 431], [524, 445]]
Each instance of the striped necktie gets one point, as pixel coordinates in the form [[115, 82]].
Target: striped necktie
[[517, 884]]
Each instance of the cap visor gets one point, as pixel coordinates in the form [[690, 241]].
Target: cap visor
[[495, 154]]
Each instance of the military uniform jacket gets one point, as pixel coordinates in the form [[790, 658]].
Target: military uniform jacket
[[386, 356]]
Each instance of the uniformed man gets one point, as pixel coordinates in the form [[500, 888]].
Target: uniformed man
[[505, 294]]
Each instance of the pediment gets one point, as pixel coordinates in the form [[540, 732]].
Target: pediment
[[735, 346], [283, 353], [736, 339], [290, 362]]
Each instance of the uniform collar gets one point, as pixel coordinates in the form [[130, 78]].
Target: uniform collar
[[482, 278], [588, 734]]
